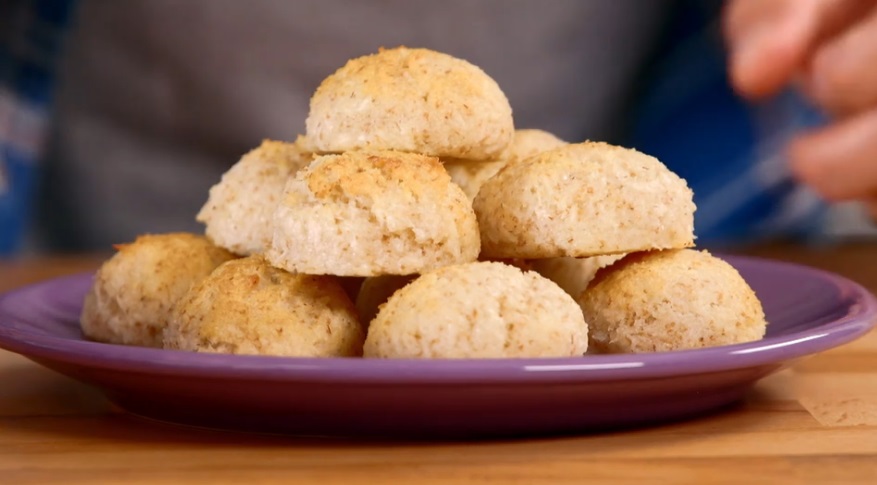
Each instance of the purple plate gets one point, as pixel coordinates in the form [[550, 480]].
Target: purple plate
[[809, 311]]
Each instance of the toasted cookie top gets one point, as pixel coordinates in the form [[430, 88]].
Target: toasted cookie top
[[584, 199], [368, 213], [413, 100]]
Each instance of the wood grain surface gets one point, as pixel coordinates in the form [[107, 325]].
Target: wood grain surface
[[814, 423]]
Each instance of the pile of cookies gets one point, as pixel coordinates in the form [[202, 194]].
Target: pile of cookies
[[412, 220]]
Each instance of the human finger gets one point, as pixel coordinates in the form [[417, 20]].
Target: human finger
[[842, 78], [839, 161]]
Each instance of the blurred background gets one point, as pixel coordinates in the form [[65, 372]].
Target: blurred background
[[116, 117]]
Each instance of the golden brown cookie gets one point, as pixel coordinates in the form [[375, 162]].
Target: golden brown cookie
[[584, 199], [413, 100], [373, 213], [133, 293], [671, 300], [247, 306], [478, 310]]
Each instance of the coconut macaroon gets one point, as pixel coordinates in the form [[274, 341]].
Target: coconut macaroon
[[671, 300], [471, 175], [133, 292], [584, 199], [572, 274], [247, 306], [413, 100], [478, 310], [239, 208], [373, 213]]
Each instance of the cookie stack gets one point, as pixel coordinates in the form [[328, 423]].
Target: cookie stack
[[456, 236]]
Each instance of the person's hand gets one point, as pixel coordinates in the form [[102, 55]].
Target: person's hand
[[828, 48]]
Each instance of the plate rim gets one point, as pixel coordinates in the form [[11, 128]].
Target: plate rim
[[860, 319]]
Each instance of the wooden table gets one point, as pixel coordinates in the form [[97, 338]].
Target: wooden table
[[814, 423]]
